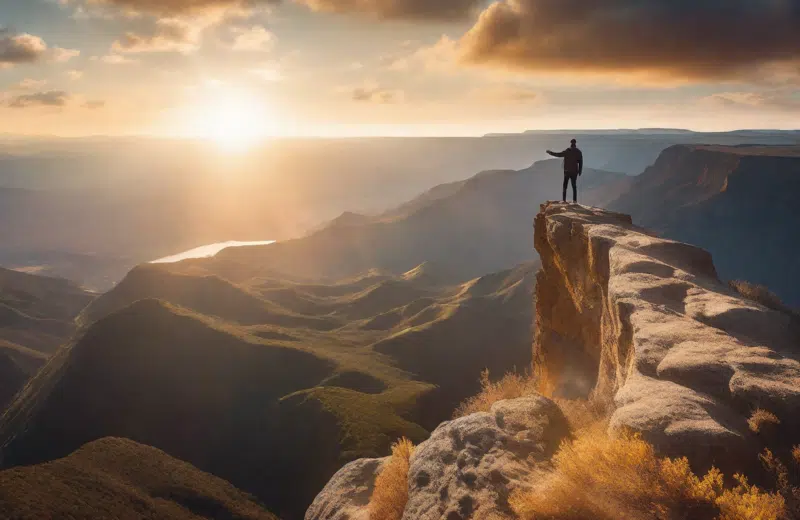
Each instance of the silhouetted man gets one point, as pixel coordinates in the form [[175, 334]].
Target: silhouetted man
[[573, 167]]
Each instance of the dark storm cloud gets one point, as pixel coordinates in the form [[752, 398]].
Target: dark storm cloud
[[408, 9], [20, 48], [52, 98], [713, 39]]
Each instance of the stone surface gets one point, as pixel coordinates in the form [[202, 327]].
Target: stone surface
[[470, 466], [347, 494], [624, 314]]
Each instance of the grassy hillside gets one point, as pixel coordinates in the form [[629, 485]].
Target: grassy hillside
[[37, 312], [37, 315], [272, 402], [118, 478]]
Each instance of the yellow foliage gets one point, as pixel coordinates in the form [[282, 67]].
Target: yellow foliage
[[511, 386], [388, 501], [760, 419], [796, 454], [619, 479], [746, 502]]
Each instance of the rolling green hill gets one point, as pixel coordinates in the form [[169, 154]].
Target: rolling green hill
[[273, 402]]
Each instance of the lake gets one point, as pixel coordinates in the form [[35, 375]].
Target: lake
[[208, 251]]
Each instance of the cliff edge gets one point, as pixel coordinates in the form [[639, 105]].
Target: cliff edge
[[627, 316]]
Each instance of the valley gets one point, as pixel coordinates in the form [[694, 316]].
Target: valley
[[261, 370]]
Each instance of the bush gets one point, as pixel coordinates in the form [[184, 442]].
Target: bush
[[511, 386], [615, 479], [388, 501], [762, 419], [760, 294]]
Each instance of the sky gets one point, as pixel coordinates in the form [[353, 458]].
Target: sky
[[245, 69]]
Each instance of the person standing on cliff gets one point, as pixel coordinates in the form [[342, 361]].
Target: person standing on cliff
[[573, 168]]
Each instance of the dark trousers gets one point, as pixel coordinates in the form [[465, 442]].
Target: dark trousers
[[567, 178]]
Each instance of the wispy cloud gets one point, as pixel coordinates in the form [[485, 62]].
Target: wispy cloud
[[51, 98]]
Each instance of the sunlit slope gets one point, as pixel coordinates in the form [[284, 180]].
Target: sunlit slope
[[118, 478], [739, 203], [272, 403], [469, 229]]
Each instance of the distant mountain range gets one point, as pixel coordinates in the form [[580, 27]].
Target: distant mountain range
[[466, 229]]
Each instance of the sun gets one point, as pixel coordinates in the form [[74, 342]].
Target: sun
[[233, 119]]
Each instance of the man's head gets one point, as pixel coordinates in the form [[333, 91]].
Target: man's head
[[574, 143]]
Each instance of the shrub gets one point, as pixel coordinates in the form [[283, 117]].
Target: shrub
[[388, 501], [511, 386], [761, 419], [602, 478], [760, 294], [796, 454]]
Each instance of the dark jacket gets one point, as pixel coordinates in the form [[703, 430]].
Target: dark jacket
[[573, 160]]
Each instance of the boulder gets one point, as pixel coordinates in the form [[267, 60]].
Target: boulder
[[470, 466], [347, 494]]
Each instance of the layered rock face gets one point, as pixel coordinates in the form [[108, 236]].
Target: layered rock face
[[628, 316]]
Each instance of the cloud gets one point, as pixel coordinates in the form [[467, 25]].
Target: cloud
[[30, 84], [20, 48], [74, 75], [94, 105], [505, 94], [375, 94], [179, 7], [693, 39], [115, 59], [782, 99], [399, 9], [52, 98], [255, 38], [169, 35], [61, 55]]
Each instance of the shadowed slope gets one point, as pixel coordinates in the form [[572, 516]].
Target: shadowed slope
[[118, 478], [739, 203]]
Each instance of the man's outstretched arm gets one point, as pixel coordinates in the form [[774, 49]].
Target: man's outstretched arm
[[557, 154]]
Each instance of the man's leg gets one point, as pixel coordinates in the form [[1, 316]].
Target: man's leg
[[566, 183], [574, 178]]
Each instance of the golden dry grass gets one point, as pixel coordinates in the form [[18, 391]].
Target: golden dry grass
[[760, 294], [583, 414], [388, 501], [511, 386], [622, 479], [761, 419]]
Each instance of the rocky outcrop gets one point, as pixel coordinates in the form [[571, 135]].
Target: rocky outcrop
[[739, 203], [465, 471], [626, 315], [347, 495]]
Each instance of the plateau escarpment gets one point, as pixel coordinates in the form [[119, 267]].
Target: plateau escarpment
[[739, 203], [645, 322]]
